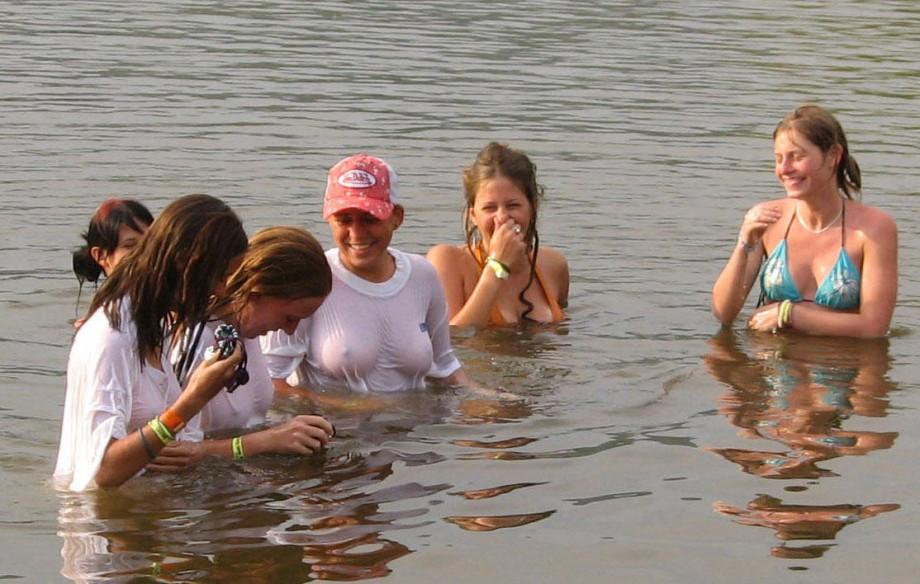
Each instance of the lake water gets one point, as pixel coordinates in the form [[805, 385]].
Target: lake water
[[651, 447]]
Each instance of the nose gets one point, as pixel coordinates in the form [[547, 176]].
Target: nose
[[783, 166]]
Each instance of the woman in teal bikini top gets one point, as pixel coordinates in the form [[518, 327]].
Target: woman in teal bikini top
[[839, 290]]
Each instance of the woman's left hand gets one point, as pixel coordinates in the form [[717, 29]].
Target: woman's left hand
[[765, 318], [177, 457]]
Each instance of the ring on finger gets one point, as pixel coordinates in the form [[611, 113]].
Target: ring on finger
[[516, 229]]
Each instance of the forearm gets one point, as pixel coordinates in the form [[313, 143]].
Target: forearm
[[125, 457], [477, 309], [734, 283], [809, 318]]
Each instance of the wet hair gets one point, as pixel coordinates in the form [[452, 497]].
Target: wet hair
[[821, 128], [103, 233], [500, 160], [170, 277], [281, 262]]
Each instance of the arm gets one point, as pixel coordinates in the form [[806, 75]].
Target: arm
[[472, 311], [124, 457], [737, 278]]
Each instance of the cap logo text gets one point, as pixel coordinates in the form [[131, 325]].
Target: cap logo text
[[357, 179]]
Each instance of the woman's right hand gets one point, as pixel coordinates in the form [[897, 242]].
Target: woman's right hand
[[212, 375], [507, 242], [756, 221]]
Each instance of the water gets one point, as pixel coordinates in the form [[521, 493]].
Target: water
[[650, 449]]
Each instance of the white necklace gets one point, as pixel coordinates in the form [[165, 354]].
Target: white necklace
[[823, 229]]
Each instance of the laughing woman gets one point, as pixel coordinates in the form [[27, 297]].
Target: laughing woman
[[384, 327], [830, 263], [501, 275]]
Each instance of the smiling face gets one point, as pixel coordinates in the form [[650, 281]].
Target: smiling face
[[802, 167], [262, 314], [499, 200], [363, 239]]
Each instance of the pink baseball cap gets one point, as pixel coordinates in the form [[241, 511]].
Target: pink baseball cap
[[362, 182]]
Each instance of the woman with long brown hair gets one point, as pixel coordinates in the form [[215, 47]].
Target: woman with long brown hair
[[501, 275], [828, 263], [124, 403]]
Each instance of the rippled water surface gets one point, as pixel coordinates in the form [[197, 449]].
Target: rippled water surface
[[650, 446]]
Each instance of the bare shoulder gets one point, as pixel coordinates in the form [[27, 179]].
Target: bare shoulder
[[444, 254], [553, 262], [875, 222]]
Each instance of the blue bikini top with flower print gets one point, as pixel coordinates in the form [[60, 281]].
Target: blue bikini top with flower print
[[839, 290]]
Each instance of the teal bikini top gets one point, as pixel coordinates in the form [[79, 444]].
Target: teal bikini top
[[839, 290]]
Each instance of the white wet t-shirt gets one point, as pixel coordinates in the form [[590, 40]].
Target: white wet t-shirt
[[369, 336], [109, 395]]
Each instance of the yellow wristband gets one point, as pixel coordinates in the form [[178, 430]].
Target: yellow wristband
[[500, 269], [236, 445], [161, 431]]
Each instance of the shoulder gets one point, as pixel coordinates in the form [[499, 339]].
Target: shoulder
[[446, 254], [553, 263], [872, 220]]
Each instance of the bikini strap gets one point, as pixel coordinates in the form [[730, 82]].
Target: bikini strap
[[843, 224], [795, 209]]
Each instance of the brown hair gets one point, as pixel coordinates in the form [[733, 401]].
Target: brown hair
[[170, 276], [822, 129], [281, 262], [501, 160]]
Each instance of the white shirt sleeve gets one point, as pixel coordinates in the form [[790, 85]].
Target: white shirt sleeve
[[283, 352], [102, 370], [444, 362]]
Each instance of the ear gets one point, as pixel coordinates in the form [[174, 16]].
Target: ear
[[398, 215], [101, 257]]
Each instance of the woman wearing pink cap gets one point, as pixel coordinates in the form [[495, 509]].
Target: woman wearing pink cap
[[384, 327]]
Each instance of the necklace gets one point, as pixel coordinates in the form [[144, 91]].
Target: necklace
[[823, 229]]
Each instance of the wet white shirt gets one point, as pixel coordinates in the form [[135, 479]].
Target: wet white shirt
[[109, 395], [370, 336], [248, 404]]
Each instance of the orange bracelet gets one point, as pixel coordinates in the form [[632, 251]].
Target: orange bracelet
[[172, 421]]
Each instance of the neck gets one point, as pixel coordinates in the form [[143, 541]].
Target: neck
[[818, 218], [381, 270]]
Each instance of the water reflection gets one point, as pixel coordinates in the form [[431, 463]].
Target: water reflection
[[807, 395], [284, 518]]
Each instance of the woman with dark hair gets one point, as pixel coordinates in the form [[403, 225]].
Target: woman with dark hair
[[283, 278], [114, 230], [830, 263], [501, 275], [124, 403]]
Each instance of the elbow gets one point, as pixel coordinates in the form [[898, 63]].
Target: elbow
[[105, 480], [724, 315]]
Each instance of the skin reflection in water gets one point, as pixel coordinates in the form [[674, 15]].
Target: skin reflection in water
[[801, 522], [491, 523], [800, 392]]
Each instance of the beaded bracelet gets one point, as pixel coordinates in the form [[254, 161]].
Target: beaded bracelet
[[236, 445], [501, 270], [746, 247]]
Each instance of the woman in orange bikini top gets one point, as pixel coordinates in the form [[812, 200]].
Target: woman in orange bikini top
[[502, 275]]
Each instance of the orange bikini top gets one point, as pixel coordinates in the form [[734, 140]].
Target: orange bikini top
[[495, 315]]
